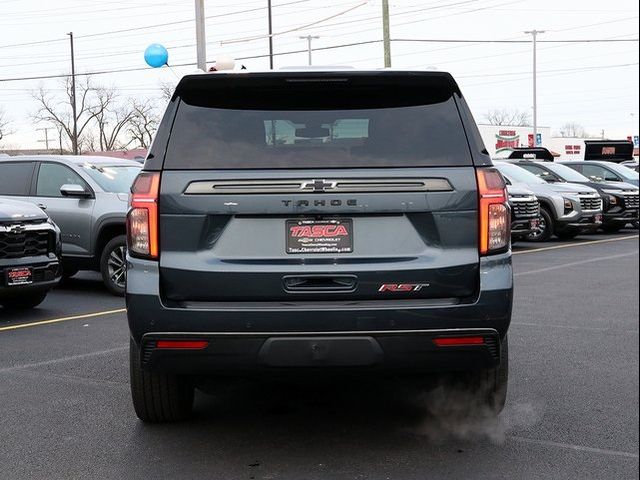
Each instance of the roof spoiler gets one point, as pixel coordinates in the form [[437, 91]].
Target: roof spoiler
[[532, 153]]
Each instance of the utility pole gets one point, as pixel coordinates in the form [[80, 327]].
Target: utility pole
[[46, 136], [74, 140], [201, 42], [385, 33], [309, 39], [270, 36], [534, 35]]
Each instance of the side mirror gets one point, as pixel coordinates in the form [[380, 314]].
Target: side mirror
[[74, 190]]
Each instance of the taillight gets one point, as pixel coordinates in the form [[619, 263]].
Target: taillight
[[495, 224], [142, 219]]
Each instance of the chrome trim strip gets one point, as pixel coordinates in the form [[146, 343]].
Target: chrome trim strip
[[44, 227], [373, 185]]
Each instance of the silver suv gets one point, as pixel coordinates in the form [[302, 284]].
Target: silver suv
[[87, 198], [566, 210]]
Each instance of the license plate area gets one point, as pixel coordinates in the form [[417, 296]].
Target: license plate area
[[19, 276], [308, 235]]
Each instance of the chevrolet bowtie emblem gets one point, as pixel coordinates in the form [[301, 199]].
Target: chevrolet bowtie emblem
[[318, 185]]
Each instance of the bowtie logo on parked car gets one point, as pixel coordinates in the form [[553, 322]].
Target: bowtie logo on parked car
[[16, 229]]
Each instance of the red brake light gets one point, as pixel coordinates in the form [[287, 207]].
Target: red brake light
[[495, 224], [182, 344], [142, 219], [457, 341]]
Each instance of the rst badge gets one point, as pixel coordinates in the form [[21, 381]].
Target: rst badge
[[402, 287]]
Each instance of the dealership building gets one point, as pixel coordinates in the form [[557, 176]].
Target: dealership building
[[501, 140]]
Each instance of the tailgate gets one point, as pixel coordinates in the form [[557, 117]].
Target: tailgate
[[318, 235]]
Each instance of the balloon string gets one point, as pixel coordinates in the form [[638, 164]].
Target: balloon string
[[171, 69]]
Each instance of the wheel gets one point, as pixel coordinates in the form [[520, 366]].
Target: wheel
[[613, 228], [158, 397], [479, 392], [23, 301], [113, 265], [568, 234], [545, 227]]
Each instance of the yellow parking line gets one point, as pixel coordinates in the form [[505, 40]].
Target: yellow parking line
[[577, 244], [62, 319]]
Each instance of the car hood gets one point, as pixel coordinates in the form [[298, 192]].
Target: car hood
[[519, 190], [15, 211], [573, 188], [610, 185], [548, 190]]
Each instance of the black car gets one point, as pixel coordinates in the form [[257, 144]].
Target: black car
[[619, 200], [29, 254], [298, 222]]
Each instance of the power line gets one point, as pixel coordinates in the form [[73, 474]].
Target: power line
[[189, 64], [145, 27], [582, 40]]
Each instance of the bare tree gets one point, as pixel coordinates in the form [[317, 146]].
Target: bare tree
[[111, 118], [144, 123], [4, 125], [57, 111], [512, 118], [166, 90], [572, 130]]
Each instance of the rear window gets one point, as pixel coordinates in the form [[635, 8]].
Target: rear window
[[327, 125]]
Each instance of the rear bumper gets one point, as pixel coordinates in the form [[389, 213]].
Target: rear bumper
[[272, 336], [287, 352]]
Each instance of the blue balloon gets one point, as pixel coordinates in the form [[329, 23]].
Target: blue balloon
[[156, 55]]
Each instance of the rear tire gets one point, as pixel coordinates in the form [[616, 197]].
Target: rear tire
[[158, 397], [545, 228], [113, 265], [23, 301]]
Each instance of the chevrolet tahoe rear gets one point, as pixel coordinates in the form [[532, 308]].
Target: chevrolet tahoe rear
[[316, 222]]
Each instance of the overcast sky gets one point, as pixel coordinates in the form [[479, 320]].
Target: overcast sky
[[594, 84]]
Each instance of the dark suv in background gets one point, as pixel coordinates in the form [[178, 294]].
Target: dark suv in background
[[316, 221], [87, 198], [29, 254]]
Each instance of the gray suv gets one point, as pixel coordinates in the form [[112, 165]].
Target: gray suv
[[305, 222], [566, 209], [87, 198]]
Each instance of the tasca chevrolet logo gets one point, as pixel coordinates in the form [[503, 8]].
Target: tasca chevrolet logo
[[318, 186]]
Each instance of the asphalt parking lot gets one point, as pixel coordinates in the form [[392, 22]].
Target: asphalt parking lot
[[572, 410]]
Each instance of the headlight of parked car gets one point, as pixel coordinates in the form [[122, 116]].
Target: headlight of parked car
[[568, 205]]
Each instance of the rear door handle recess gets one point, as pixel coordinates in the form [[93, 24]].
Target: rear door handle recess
[[319, 283]]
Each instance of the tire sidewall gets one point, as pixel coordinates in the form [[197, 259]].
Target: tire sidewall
[[548, 220], [113, 244]]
